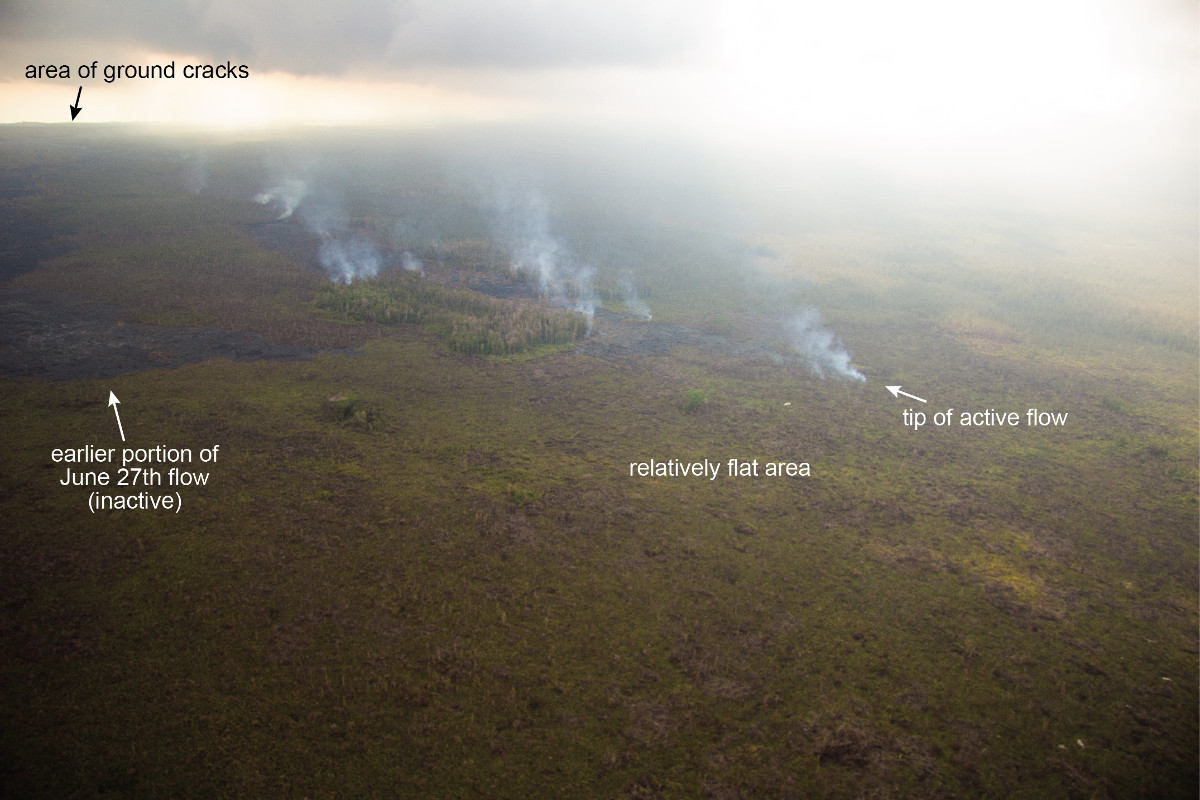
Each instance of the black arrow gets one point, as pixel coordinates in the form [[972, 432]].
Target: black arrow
[[75, 109]]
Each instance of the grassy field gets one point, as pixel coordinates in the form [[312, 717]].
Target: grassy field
[[419, 573]]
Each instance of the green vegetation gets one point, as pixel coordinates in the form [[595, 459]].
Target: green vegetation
[[693, 400], [351, 411], [416, 574], [473, 324]]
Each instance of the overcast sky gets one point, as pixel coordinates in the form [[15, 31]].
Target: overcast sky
[[1045, 83]]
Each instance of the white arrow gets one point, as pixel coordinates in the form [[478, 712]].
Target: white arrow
[[895, 390], [113, 401]]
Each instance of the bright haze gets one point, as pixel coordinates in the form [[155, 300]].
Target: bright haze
[[1052, 89]]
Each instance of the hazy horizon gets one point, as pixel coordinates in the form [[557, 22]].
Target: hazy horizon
[[1036, 96]]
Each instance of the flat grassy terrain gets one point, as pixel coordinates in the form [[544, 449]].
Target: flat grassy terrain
[[415, 572]]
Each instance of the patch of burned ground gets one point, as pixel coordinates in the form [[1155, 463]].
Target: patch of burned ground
[[59, 337], [489, 283], [616, 335], [24, 244], [289, 237], [25, 241]]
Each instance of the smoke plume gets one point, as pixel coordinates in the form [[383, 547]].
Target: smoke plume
[[348, 256], [580, 295], [629, 296], [822, 349], [286, 196], [196, 172], [540, 256], [411, 263]]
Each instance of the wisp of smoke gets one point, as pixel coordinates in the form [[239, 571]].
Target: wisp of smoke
[[537, 251], [287, 196], [348, 256], [820, 347], [411, 263], [582, 297], [196, 176], [629, 296], [541, 255]]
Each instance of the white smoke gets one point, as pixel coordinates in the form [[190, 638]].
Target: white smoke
[[540, 255], [286, 196], [411, 263], [196, 174], [822, 349], [582, 297], [536, 253], [348, 256], [629, 296]]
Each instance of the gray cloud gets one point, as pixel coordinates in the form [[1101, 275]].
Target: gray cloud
[[527, 33], [319, 37]]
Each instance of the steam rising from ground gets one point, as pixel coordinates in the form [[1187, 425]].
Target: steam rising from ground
[[537, 253], [346, 254], [286, 196], [196, 172], [580, 295], [411, 263], [540, 255], [629, 296], [822, 349]]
